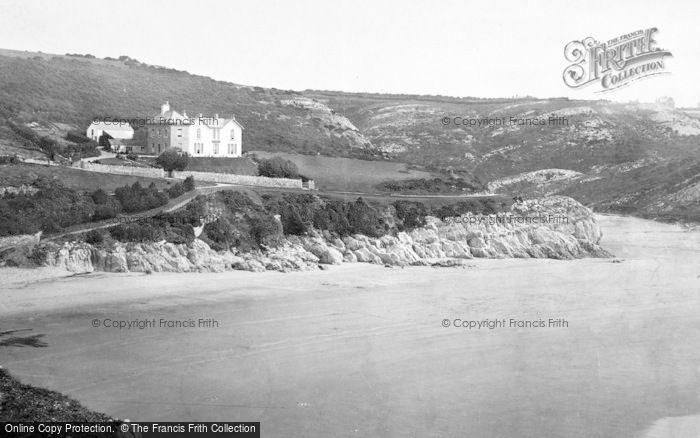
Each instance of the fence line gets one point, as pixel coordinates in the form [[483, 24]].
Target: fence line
[[246, 180], [123, 170], [226, 178]]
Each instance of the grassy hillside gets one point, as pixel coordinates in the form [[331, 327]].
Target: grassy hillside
[[641, 159], [333, 173], [612, 147], [74, 90]]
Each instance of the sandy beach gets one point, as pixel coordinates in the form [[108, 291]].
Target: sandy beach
[[362, 350]]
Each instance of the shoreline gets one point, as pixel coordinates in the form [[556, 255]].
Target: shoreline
[[283, 340], [136, 285]]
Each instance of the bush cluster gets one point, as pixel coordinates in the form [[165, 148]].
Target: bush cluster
[[475, 206], [54, 207], [136, 198], [180, 189], [50, 209], [410, 214], [77, 136], [243, 223], [105, 206], [277, 167], [299, 213], [435, 185], [9, 159]]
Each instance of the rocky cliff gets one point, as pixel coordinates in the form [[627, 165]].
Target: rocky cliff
[[555, 227]]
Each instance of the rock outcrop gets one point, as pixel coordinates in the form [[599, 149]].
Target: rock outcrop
[[554, 227]]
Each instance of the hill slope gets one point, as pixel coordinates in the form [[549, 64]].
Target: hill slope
[[636, 158]]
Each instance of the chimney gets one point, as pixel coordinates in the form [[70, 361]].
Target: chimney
[[216, 116], [165, 107]]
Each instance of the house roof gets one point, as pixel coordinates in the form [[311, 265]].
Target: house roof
[[170, 115], [173, 115], [114, 127]]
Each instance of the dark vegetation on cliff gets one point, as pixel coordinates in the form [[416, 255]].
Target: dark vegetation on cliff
[[233, 219], [433, 186], [50, 207]]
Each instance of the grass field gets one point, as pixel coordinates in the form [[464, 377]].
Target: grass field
[[14, 175], [238, 166], [332, 173]]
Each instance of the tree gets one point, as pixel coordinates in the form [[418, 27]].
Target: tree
[[104, 141], [172, 159], [49, 146]]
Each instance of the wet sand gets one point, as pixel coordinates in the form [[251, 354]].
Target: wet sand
[[360, 350]]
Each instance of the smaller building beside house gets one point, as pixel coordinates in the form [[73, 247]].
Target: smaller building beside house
[[117, 145], [116, 131]]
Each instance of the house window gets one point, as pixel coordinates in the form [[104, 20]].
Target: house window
[[198, 148], [216, 149], [199, 133], [215, 133], [179, 132], [159, 147], [231, 148], [233, 134]]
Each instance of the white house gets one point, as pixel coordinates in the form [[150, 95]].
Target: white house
[[115, 130], [198, 136]]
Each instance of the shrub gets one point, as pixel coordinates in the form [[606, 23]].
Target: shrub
[[296, 211], [266, 230], [410, 214], [277, 167], [189, 183], [9, 159], [177, 190], [94, 237], [111, 208], [333, 217], [435, 185], [77, 136], [99, 196], [221, 234], [292, 221], [364, 219], [88, 149], [132, 156]]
